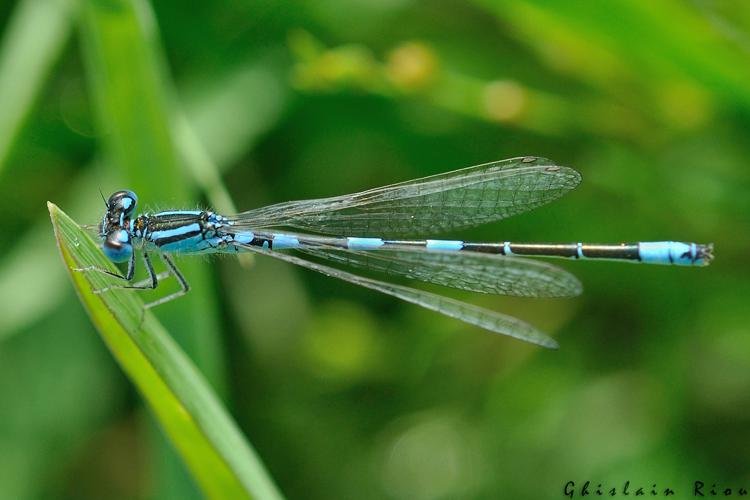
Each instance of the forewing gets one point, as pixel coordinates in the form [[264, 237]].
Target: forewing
[[430, 205]]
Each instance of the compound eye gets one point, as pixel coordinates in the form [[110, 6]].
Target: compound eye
[[117, 246], [122, 201]]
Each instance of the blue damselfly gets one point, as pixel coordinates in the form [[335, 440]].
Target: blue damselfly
[[371, 230]]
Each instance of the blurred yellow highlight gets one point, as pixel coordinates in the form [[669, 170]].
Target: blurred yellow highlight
[[412, 66], [504, 100], [323, 69]]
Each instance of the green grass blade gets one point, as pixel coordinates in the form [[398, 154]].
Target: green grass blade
[[34, 38], [208, 440], [120, 43]]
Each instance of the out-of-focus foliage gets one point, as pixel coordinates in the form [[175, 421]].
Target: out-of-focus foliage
[[346, 394]]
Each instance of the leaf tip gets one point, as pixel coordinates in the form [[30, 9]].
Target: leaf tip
[[53, 209]]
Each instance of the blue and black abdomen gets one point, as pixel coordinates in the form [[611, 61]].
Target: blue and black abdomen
[[656, 252]]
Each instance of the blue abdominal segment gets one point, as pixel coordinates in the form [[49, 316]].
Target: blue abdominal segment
[[670, 252], [449, 245], [244, 237], [284, 241], [364, 243]]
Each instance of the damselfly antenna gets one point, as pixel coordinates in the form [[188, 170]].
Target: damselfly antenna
[[103, 198]]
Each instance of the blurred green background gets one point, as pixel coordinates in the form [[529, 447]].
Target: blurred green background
[[345, 393]]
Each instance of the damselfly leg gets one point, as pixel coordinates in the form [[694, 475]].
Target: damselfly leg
[[128, 276], [149, 283], [184, 286]]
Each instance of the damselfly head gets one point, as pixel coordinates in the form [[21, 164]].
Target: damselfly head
[[115, 225], [122, 202], [120, 208]]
